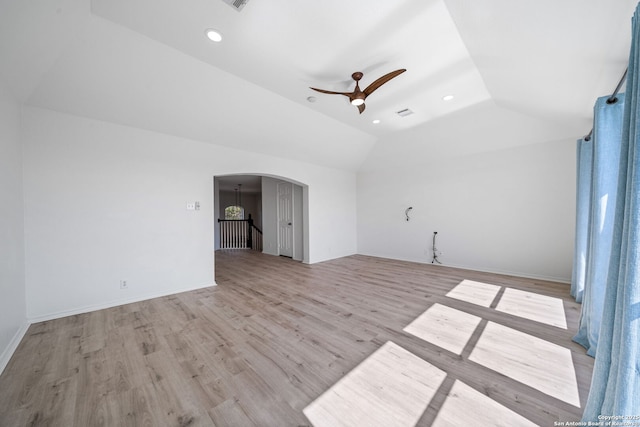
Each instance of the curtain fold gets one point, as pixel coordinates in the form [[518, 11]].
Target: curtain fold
[[601, 204], [615, 385], [584, 155]]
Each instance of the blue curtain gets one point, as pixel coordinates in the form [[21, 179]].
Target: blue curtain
[[615, 385], [600, 191], [584, 155]]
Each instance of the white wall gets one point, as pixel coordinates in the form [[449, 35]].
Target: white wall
[[13, 319], [270, 216], [105, 202], [509, 211], [298, 223]]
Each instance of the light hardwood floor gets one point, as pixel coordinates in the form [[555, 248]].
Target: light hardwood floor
[[275, 335]]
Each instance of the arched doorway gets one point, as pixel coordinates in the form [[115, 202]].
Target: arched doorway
[[266, 198]]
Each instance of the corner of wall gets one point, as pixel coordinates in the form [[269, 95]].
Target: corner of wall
[[13, 322], [7, 353]]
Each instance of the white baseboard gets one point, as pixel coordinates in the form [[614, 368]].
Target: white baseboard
[[114, 303], [13, 345], [563, 280]]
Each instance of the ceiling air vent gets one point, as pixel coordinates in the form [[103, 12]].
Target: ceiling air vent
[[404, 113], [236, 4]]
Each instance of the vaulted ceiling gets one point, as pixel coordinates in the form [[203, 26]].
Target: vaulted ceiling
[[520, 72]]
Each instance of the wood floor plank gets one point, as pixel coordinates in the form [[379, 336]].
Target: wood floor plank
[[275, 335], [230, 413], [175, 397], [94, 406]]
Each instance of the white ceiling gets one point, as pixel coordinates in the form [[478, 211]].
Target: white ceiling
[[287, 46], [526, 68]]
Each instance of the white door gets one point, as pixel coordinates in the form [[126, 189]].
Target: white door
[[285, 219]]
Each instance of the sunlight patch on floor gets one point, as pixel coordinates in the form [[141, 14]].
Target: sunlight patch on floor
[[445, 327], [542, 365], [532, 306], [392, 387], [475, 292], [466, 406]]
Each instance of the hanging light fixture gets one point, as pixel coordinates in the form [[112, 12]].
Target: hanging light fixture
[[239, 195]]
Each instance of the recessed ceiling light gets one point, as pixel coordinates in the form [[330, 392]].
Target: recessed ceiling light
[[447, 97], [213, 35], [311, 98], [376, 121]]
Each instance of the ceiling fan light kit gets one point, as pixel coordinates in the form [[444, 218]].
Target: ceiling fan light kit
[[359, 100], [358, 96]]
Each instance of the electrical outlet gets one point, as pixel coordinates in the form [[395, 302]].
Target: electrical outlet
[[124, 284]]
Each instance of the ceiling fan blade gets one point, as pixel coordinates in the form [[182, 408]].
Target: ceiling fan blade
[[361, 108], [382, 80], [331, 92]]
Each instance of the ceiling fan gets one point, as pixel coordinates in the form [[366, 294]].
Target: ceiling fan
[[358, 96]]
